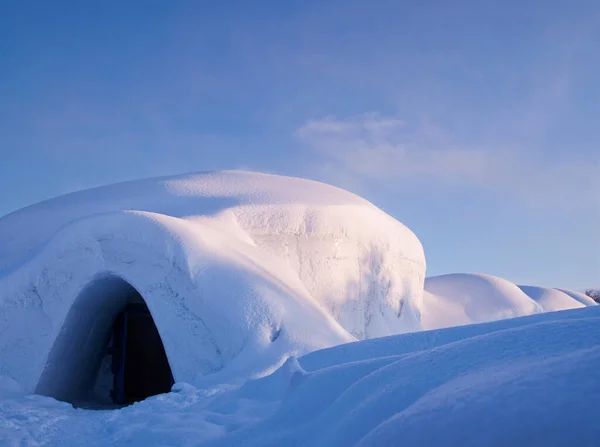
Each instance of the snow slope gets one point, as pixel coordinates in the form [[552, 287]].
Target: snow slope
[[522, 381], [240, 270]]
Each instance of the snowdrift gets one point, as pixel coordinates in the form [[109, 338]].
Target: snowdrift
[[239, 271], [522, 381], [466, 298], [552, 299], [579, 297]]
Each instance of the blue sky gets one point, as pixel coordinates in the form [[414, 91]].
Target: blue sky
[[476, 123]]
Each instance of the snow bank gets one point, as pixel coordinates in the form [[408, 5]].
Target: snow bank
[[523, 381], [239, 270]]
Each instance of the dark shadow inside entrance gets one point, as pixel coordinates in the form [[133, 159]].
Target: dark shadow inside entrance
[[108, 352], [139, 363]]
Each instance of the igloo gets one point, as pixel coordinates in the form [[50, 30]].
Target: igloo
[[229, 272]]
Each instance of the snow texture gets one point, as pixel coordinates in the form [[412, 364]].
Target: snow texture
[[521, 381], [239, 270]]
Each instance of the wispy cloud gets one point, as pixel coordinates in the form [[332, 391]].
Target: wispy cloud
[[385, 148]]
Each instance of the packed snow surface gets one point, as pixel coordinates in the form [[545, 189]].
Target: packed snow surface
[[240, 270], [522, 381]]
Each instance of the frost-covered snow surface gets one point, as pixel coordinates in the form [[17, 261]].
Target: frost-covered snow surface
[[240, 270], [523, 381]]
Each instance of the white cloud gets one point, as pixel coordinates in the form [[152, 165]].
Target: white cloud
[[374, 146]]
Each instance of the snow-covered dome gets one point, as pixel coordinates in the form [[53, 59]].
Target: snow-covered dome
[[239, 270]]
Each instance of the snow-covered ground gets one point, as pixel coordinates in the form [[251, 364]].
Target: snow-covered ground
[[523, 381]]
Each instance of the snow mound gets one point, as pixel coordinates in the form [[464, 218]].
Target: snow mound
[[523, 381], [581, 297], [239, 270], [551, 299], [463, 298], [466, 298]]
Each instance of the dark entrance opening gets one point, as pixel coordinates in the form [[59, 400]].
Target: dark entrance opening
[[139, 361], [108, 352]]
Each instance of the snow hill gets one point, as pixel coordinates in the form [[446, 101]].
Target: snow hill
[[522, 381]]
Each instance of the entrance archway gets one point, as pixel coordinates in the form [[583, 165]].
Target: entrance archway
[[108, 351]]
